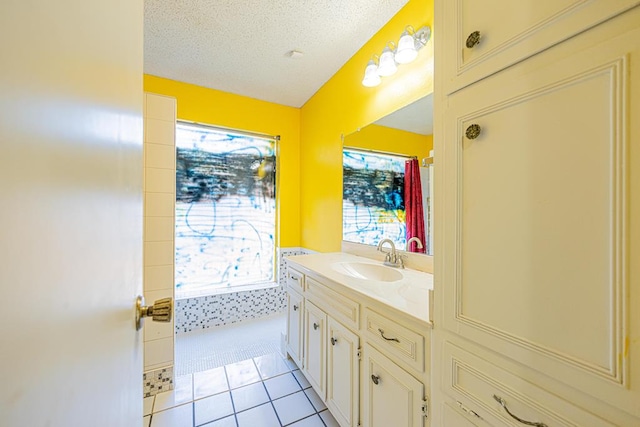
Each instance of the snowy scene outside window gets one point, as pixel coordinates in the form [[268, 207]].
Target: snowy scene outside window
[[225, 210]]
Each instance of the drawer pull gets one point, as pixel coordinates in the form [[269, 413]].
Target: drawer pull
[[473, 131], [473, 39], [295, 307], [294, 278], [334, 341], [503, 403], [375, 379], [388, 339], [316, 326]]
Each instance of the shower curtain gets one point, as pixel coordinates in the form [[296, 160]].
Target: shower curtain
[[413, 204]]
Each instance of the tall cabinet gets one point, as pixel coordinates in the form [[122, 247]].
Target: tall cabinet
[[537, 278]]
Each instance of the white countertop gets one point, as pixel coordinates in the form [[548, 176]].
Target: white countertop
[[409, 294]]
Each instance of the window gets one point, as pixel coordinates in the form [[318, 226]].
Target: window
[[225, 209], [373, 199]]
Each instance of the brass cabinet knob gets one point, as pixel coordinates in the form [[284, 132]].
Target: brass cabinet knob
[[160, 311], [473, 131], [473, 39]]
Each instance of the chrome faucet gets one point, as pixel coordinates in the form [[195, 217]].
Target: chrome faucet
[[413, 239], [391, 259]]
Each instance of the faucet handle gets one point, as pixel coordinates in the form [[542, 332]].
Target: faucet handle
[[400, 259]]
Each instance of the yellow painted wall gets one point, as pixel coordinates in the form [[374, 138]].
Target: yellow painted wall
[[343, 105], [382, 138], [214, 107]]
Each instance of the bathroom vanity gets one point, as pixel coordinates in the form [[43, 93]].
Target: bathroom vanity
[[360, 333]]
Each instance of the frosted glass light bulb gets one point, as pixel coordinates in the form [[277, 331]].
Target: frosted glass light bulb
[[371, 77], [406, 49], [387, 65]]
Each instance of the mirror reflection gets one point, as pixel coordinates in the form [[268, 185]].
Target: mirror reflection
[[387, 180]]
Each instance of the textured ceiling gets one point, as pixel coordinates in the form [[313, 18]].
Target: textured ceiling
[[241, 46]]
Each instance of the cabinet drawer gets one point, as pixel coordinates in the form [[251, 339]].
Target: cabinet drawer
[[395, 339], [510, 32], [478, 384], [337, 305], [295, 280]]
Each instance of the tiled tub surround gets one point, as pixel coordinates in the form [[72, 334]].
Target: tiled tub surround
[[192, 314], [159, 199]]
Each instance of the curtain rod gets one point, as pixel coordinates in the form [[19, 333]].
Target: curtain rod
[[231, 130], [386, 153]]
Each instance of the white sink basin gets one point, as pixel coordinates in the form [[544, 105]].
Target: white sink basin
[[366, 271]]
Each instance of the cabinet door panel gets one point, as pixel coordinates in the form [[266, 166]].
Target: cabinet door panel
[[391, 396], [343, 374], [315, 348], [541, 206], [511, 31], [295, 313]]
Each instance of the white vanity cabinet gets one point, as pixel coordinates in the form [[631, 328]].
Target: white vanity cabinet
[[481, 37], [350, 339], [537, 207]]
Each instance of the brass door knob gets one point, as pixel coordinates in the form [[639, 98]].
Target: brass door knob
[[160, 311]]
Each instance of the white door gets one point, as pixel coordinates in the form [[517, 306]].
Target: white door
[[295, 319], [70, 212], [343, 373], [391, 396], [315, 337]]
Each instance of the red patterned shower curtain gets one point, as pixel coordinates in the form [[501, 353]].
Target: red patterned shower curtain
[[413, 204]]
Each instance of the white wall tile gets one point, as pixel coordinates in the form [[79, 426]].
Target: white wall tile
[[158, 253], [160, 107], [156, 330], [159, 204], [158, 277], [158, 352], [160, 180], [159, 156], [160, 132], [158, 229]]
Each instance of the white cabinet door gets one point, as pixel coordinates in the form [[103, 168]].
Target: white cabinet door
[[295, 318], [315, 340], [542, 206], [510, 31], [343, 382], [391, 396]]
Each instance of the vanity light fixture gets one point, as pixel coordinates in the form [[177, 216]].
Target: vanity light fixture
[[371, 76], [410, 43]]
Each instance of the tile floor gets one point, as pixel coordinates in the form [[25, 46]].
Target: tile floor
[[222, 345], [265, 391]]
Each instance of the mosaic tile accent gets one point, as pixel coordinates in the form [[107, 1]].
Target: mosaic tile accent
[[157, 381], [199, 313]]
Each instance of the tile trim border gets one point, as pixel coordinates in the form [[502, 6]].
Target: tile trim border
[[157, 381]]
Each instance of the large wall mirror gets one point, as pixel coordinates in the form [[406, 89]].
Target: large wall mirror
[[388, 180]]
